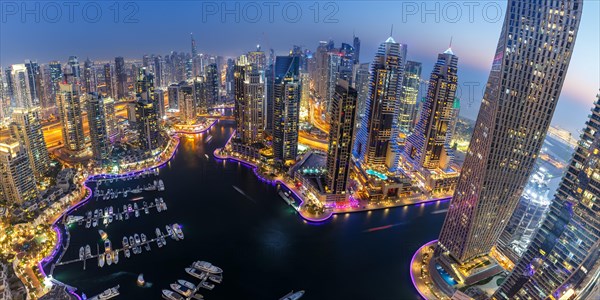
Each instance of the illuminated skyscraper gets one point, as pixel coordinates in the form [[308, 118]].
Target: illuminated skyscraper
[[187, 105], [111, 117], [69, 108], [21, 89], [98, 123], [27, 129], [159, 99], [200, 95], [427, 146], [525, 81], [409, 95], [341, 138], [89, 77], [563, 259], [147, 124], [213, 83], [121, 78], [17, 183], [54, 76], [34, 75], [286, 108], [249, 91], [376, 142], [108, 84], [362, 87]]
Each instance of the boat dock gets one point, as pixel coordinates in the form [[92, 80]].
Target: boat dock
[[120, 250], [118, 213]]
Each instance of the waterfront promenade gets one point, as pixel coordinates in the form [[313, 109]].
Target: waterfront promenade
[[359, 206]]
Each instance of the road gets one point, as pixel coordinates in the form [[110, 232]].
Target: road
[[315, 116], [311, 141]]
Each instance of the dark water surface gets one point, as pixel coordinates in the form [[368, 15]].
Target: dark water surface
[[264, 248]]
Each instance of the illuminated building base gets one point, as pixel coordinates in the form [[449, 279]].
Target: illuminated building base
[[448, 275], [376, 183]]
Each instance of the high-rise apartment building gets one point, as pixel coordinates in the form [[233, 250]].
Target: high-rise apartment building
[[17, 183], [341, 138], [70, 112], [187, 104], [98, 124], [563, 259], [121, 78], [523, 88], [27, 129], [408, 97], [249, 94], [286, 108], [377, 139], [427, 146]]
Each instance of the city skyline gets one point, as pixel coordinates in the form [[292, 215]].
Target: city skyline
[[580, 85], [307, 160]]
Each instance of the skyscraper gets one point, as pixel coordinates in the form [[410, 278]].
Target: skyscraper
[[74, 68], [69, 108], [525, 81], [187, 105], [286, 108], [362, 88], [341, 138], [89, 76], [34, 75], [213, 82], [21, 89], [17, 183], [54, 77], [427, 146], [121, 76], [356, 45], [108, 83], [147, 124], [98, 123], [173, 92], [408, 97], [562, 261], [376, 142], [27, 129], [111, 117], [249, 91], [159, 99]]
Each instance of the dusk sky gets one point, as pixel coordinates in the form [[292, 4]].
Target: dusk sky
[[157, 27]]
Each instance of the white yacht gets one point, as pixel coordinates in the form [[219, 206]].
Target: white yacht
[[181, 289], [195, 273], [207, 285], [101, 260], [108, 294], [170, 295], [207, 267], [88, 251], [161, 185], [186, 283], [178, 232], [109, 258], [169, 230], [81, 253], [136, 237], [116, 256], [216, 278]]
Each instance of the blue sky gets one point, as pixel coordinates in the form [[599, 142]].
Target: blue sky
[[102, 30]]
